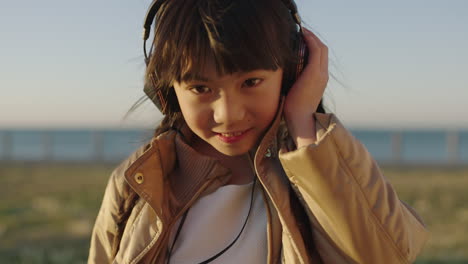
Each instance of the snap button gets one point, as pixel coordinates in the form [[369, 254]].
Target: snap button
[[268, 153], [139, 177]]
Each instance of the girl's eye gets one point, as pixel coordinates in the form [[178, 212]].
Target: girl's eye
[[200, 89], [252, 82]]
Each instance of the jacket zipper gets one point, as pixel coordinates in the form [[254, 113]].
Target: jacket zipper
[[276, 208], [268, 209]]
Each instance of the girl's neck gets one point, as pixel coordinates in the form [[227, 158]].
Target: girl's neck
[[240, 166]]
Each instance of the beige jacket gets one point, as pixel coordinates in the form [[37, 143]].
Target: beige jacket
[[326, 203]]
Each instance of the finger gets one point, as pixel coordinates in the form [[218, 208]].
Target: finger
[[324, 59], [323, 49], [314, 49], [320, 48]]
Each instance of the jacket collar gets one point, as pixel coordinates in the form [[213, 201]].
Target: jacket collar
[[269, 144]]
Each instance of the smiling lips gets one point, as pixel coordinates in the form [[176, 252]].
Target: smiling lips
[[232, 137]]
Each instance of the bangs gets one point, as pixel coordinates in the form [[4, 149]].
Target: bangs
[[233, 36]]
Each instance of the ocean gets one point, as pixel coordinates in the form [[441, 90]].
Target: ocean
[[415, 146]]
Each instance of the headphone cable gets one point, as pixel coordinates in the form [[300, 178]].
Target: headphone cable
[[225, 249]]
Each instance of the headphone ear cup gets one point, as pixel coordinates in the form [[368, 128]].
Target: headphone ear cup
[[161, 96], [155, 94], [302, 55], [296, 64]]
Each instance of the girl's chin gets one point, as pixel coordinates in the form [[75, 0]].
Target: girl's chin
[[232, 150]]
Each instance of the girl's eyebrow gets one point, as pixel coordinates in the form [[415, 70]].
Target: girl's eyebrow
[[194, 77]]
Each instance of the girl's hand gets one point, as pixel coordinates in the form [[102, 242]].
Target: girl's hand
[[304, 96]]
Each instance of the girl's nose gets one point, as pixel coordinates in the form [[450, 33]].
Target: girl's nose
[[229, 110]]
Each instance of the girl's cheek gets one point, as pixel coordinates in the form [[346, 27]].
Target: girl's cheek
[[197, 116]]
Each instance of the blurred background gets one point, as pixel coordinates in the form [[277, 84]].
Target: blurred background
[[71, 70]]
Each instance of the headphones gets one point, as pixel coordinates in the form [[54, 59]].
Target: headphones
[[157, 96]]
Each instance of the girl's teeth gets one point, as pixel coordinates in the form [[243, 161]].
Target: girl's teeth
[[231, 134]]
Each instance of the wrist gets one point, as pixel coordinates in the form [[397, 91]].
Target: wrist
[[302, 129]]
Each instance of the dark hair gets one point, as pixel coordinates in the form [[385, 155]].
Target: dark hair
[[235, 35]]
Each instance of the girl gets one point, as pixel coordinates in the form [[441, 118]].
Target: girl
[[246, 166]]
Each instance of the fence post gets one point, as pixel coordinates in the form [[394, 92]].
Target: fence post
[[452, 147], [47, 146], [396, 141], [7, 145], [98, 142]]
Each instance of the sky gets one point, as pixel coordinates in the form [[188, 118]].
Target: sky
[[79, 64]]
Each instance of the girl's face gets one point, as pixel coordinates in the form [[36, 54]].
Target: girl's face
[[230, 112]]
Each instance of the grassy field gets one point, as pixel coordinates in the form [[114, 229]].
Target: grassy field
[[440, 196], [47, 210]]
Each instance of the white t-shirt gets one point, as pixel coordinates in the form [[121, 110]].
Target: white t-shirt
[[215, 220]]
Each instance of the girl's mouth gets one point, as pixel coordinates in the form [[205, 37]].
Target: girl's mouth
[[231, 137]]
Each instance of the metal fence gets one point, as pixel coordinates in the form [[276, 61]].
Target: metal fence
[[70, 145], [387, 147]]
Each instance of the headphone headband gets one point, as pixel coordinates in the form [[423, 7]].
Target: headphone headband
[[156, 5], [157, 96], [149, 18]]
